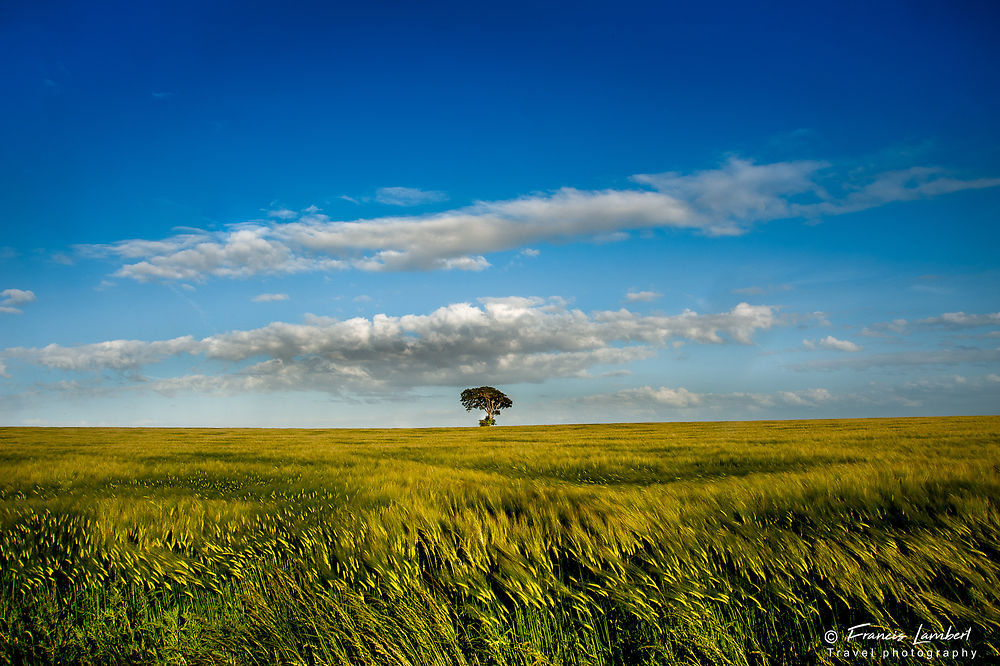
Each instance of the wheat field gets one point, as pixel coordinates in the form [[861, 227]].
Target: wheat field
[[673, 543]]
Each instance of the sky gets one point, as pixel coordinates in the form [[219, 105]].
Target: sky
[[306, 214]]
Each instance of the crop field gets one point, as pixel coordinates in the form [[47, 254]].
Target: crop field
[[685, 543]]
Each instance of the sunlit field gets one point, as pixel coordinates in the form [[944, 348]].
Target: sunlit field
[[688, 543]]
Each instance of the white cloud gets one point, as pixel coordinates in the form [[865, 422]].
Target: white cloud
[[832, 343], [113, 354], [17, 296], [943, 395], [806, 398], [610, 237], [530, 252], [269, 298], [946, 357], [903, 185], [642, 296], [13, 297], [459, 238], [960, 320], [743, 192], [883, 329], [503, 340], [729, 201], [648, 397], [954, 321], [935, 389], [244, 251], [668, 397], [407, 196]]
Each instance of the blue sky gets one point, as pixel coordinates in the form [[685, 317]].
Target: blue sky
[[304, 214]]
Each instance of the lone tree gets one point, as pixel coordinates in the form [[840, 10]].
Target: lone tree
[[486, 398]]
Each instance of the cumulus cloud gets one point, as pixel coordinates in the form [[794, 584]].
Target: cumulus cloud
[[832, 343], [725, 201], [506, 340], [642, 296], [269, 298], [10, 298], [408, 196]]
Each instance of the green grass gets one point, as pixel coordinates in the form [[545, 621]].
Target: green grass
[[688, 543]]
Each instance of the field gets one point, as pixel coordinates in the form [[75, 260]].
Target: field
[[688, 543]]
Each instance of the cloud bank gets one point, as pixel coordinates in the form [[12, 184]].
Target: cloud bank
[[726, 201], [501, 340], [649, 397], [942, 394], [951, 321]]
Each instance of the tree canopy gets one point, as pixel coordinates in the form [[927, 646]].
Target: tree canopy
[[486, 398]]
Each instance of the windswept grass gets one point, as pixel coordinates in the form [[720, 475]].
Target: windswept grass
[[699, 543]]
